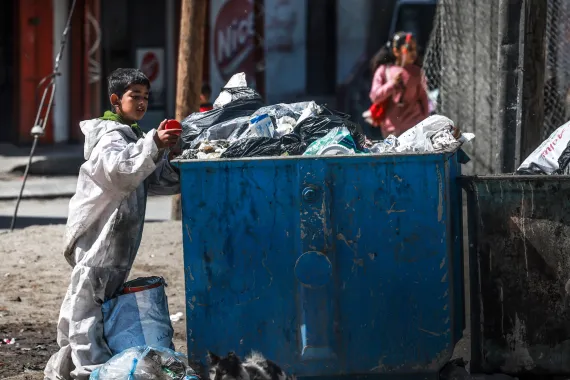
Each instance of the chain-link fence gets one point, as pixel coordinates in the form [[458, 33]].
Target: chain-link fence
[[557, 65], [461, 61]]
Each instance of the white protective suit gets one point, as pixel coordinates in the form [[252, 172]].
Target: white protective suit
[[103, 234]]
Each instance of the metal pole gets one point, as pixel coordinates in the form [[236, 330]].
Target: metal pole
[[62, 98], [533, 75], [510, 12]]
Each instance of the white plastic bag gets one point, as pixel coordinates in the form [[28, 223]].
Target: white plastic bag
[[261, 126], [388, 145], [285, 125], [419, 138], [236, 81], [146, 363], [544, 159], [312, 109]]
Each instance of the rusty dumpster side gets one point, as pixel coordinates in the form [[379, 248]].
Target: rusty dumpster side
[[519, 258]]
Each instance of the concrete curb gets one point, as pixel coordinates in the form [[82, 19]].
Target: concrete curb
[[13, 197], [38, 188], [48, 166], [59, 160]]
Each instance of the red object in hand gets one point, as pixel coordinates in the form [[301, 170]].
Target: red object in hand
[[377, 112], [175, 125], [206, 107]]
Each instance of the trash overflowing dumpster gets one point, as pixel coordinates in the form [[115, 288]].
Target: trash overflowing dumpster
[[519, 234], [328, 253]]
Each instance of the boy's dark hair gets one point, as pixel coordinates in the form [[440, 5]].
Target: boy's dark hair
[[206, 90], [120, 80]]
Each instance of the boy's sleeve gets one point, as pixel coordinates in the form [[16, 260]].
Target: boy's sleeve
[[120, 167], [165, 180]]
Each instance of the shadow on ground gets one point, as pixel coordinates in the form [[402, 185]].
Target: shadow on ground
[[27, 221]]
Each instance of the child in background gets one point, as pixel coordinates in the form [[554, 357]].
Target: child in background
[[106, 218], [205, 104], [398, 89]]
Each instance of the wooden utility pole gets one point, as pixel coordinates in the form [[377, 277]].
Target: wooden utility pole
[[190, 68]]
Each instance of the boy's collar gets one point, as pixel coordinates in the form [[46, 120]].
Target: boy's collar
[[110, 115]]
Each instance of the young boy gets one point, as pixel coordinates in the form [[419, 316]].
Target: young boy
[[106, 217], [205, 95]]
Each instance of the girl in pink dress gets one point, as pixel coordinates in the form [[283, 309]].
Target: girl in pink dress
[[399, 91]]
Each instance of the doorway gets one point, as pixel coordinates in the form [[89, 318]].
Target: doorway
[[321, 47], [7, 70]]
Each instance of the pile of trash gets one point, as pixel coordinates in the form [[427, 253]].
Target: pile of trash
[[146, 363], [552, 156], [241, 125], [434, 134]]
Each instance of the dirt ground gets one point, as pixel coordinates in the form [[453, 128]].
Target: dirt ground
[[33, 279]]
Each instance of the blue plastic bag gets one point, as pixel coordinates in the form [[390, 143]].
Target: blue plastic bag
[[146, 363], [138, 316]]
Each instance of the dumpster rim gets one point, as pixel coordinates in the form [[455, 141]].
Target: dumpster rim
[[511, 177], [443, 153]]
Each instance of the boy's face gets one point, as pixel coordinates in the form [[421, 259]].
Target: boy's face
[[132, 106]]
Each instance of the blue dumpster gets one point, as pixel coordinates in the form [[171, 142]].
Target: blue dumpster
[[329, 265]]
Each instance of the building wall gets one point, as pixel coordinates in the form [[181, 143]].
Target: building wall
[[37, 36], [285, 43], [117, 41], [232, 42], [8, 69], [352, 34], [285, 49], [126, 44], [35, 52]]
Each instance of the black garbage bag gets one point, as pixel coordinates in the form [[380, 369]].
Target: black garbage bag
[[253, 147], [315, 127], [242, 93], [228, 130], [293, 145], [266, 147], [246, 102]]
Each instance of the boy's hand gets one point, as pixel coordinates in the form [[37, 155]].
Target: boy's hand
[[165, 137]]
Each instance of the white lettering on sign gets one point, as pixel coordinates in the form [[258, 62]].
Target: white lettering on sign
[[234, 37]]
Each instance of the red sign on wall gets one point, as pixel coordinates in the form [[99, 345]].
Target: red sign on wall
[[233, 39], [150, 66]]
